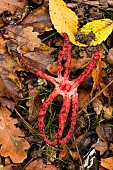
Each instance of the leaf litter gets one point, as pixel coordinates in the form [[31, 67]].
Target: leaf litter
[[21, 33]]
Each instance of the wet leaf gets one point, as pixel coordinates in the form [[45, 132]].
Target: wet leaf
[[15, 145], [11, 5], [39, 165], [101, 28], [39, 19], [39, 59], [64, 19], [28, 38], [107, 163]]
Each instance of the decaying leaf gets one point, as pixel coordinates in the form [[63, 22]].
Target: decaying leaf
[[39, 19], [39, 165], [52, 68], [110, 56], [39, 59], [84, 98], [97, 106], [10, 85], [98, 73], [64, 153], [34, 102], [11, 5], [105, 132], [107, 163], [101, 28], [28, 38], [101, 146], [64, 19], [108, 112], [12, 139], [37, 1]]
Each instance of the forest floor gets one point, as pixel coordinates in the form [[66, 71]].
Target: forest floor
[[26, 26]]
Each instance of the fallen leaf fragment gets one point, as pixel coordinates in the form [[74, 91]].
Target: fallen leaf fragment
[[101, 28], [64, 19], [101, 146], [28, 38], [34, 103], [11, 5], [105, 132], [39, 19], [107, 163], [97, 106], [110, 56], [84, 98], [10, 85], [98, 73], [37, 1], [39, 59], [108, 112], [12, 139], [39, 165]]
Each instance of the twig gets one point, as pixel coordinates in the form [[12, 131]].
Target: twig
[[95, 4], [95, 97], [27, 124], [80, 158]]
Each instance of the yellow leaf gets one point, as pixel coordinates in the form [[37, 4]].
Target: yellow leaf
[[64, 19], [101, 28]]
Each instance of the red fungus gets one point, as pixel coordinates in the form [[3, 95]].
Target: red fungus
[[64, 87]]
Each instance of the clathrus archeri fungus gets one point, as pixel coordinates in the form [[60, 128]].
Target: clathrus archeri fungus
[[64, 87]]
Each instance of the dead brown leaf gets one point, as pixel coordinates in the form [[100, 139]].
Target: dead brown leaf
[[97, 106], [107, 163], [84, 97], [39, 165], [28, 38], [10, 85], [64, 154], [34, 103], [98, 73], [7, 102], [108, 112], [12, 5], [110, 56], [39, 19], [3, 45], [12, 139], [105, 132], [37, 1], [100, 146], [39, 59], [52, 68], [80, 63]]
